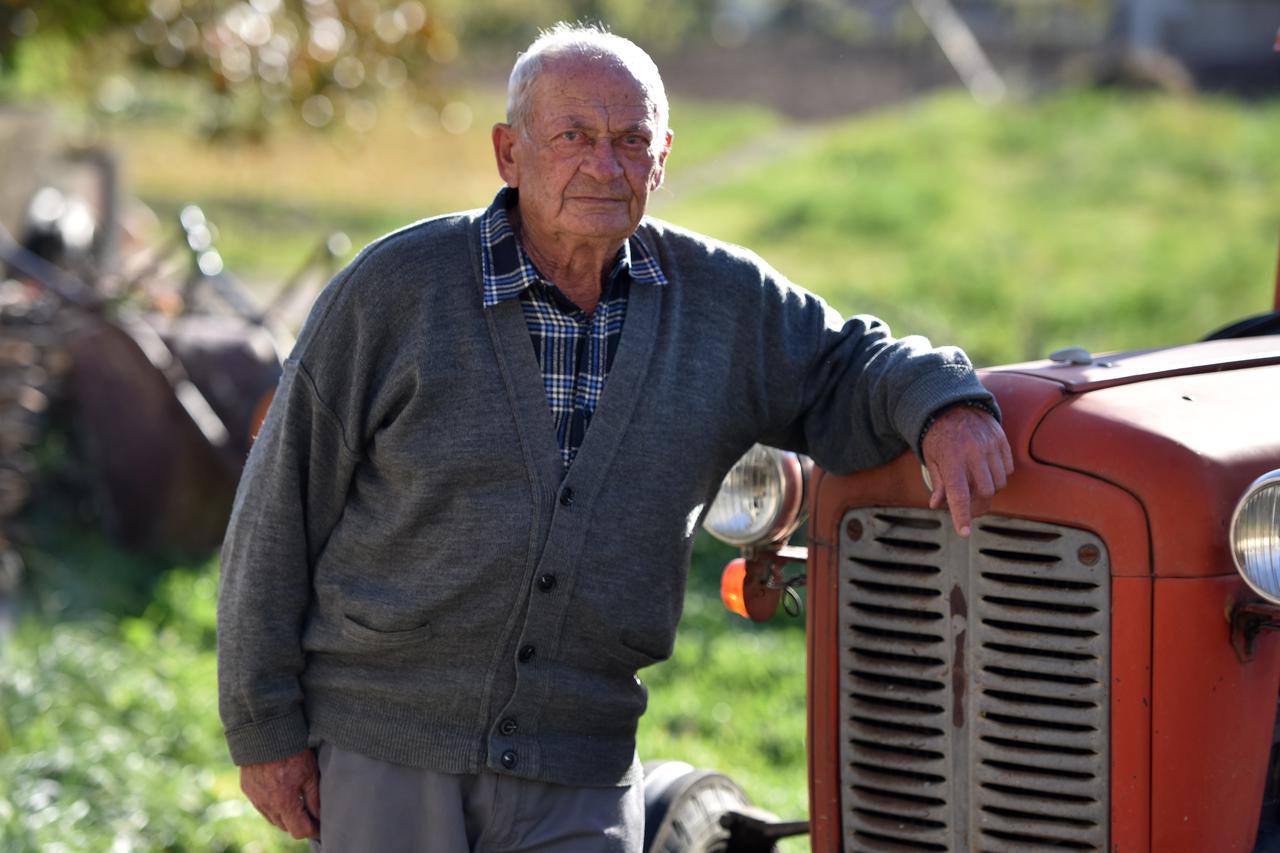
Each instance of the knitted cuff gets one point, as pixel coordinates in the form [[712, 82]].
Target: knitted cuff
[[269, 740]]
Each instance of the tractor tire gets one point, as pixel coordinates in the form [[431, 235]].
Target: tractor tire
[[1250, 327], [683, 807]]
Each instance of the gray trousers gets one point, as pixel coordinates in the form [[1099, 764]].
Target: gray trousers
[[368, 805]]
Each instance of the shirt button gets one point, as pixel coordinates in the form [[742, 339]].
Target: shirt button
[[508, 727], [510, 759], [566, 497], [547, 582], [525, 653]]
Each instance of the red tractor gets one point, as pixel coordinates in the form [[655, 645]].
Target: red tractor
[[1091, 670]]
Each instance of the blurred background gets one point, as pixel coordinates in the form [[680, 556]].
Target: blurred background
[[179, 177]]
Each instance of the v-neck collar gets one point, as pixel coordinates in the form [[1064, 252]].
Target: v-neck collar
[[502, 275], [618, 399]]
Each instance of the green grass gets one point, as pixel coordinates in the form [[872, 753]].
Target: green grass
[[1103, 220], [732, 697], [109, 732], [109, 737]]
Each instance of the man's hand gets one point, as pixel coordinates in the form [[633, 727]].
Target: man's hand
[[287, 792], [968, 459]]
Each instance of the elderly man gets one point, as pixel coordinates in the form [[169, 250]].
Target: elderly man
[[467, 520]]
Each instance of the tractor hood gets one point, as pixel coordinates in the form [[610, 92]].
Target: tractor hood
[[1184, 430]]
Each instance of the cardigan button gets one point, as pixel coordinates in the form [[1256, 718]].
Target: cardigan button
[[525, 654], [510, 759], [547, 582], [566, 497], [508, 727]]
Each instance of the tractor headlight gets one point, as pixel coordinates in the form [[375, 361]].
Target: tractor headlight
[[1255, 536], [762, 498]]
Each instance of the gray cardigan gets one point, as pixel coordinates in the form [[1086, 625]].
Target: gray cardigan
[[409, 572]]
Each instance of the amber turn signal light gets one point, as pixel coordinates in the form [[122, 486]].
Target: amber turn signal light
[[731, 593]]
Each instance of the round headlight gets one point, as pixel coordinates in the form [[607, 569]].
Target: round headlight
[[761, 500], [1255, 536]]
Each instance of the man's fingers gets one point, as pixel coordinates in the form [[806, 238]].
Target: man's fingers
[[995, 469], [999, 461], [982, 482], [272, 816], [958, 499], [298, 823], [978, 506], [969, 448], [938, 493], [311, 797]]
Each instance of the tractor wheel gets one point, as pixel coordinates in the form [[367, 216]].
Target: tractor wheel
[[683, 807]]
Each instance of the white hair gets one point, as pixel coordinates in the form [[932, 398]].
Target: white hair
[[590, 41]]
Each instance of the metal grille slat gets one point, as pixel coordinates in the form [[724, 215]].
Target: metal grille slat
[[1056, 718], [1034, 689], [975, 685]]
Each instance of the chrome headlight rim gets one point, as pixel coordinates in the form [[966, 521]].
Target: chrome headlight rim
[[791, 471], [1268, 481]]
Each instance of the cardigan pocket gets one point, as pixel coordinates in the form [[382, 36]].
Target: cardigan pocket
[[386, 639], [629, 649]]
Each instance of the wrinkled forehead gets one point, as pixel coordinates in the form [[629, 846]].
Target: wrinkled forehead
[[573, 83]]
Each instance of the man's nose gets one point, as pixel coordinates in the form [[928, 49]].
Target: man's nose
[[602, 163]]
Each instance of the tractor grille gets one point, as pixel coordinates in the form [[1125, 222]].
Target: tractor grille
[[974, 684]]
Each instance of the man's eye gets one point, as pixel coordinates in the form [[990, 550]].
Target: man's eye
[[571, 136]]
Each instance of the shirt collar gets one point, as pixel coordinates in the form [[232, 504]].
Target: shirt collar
[[507, 270]]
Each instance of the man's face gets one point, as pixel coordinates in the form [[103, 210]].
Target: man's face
[[590, 154]]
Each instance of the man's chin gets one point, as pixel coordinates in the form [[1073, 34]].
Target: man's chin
[[613, 226]]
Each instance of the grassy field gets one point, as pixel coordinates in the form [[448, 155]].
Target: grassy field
[[1082, 219], [1104, 220], [273, 201], [1101, 220]]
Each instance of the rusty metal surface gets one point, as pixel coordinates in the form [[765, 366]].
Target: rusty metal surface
[[1127, 368], [163, 384], [160, 481], [1185, 446], [1213, 719], [1036, 492]]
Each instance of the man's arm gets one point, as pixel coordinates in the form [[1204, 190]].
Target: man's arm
[[968, 459], [867, 396], [290, 497]]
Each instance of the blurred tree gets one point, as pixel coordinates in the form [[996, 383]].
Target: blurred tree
[[77, 20], [257, 60]]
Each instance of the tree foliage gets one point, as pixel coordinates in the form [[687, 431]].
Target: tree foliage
[[255, 60], [77, 20]]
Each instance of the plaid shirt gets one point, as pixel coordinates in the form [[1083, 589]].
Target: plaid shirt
[[575, 349]]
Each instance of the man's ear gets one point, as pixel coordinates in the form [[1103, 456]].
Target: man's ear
[[658, 173], [504, 140]]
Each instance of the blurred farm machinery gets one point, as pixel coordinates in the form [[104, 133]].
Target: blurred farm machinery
[[159, 362]]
